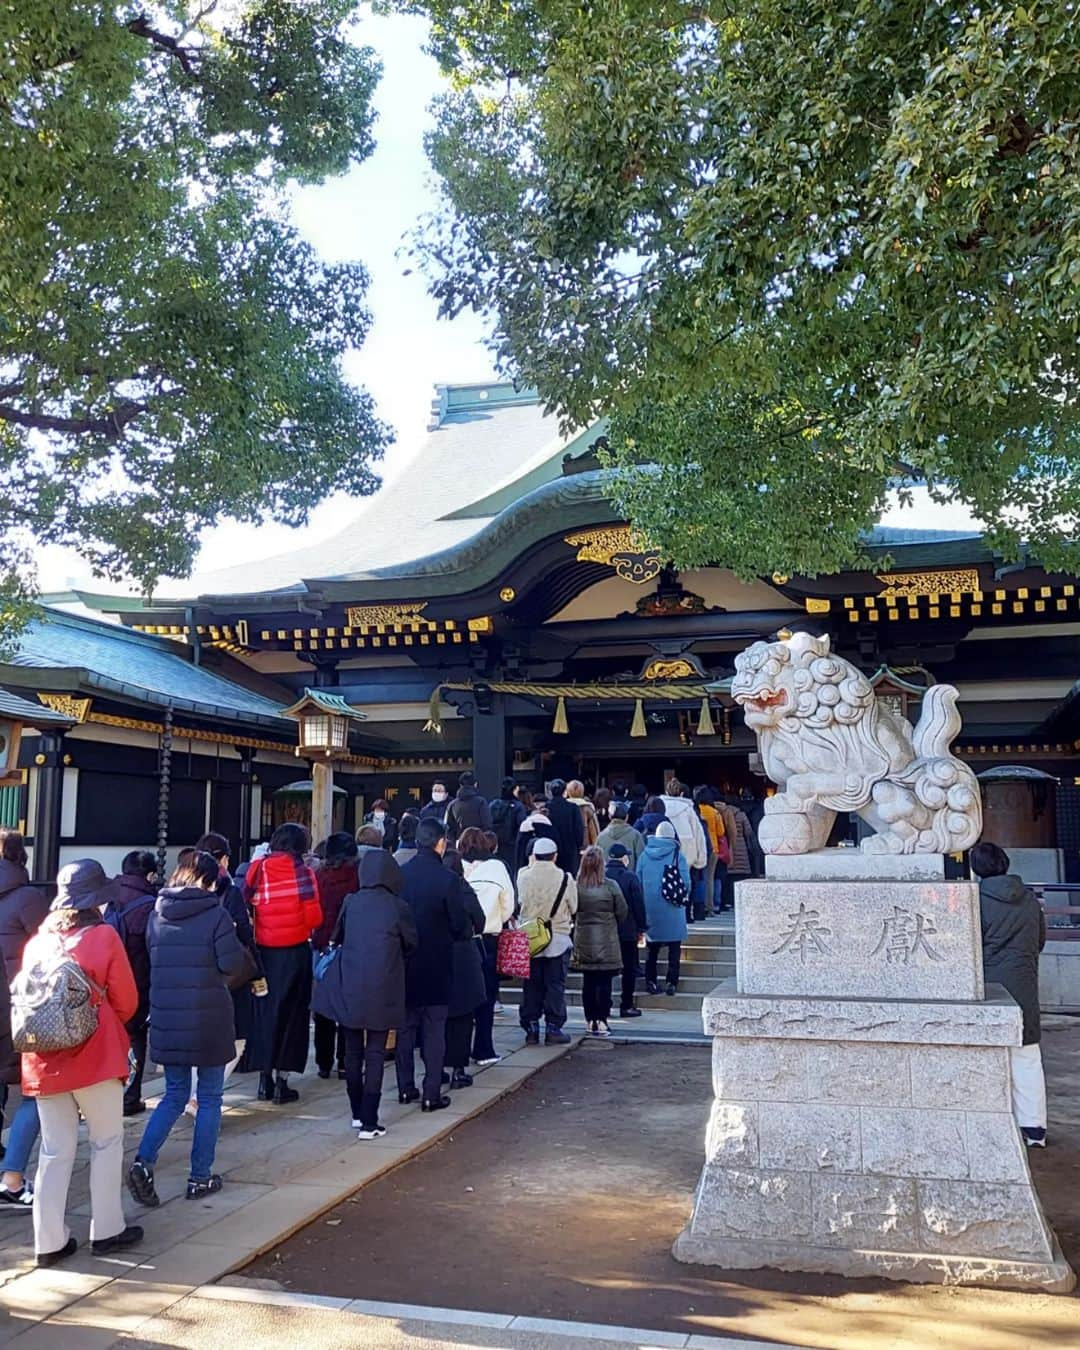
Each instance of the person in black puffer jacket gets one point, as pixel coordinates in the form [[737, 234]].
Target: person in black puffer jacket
[[1013, 935], [468, 810], [193, 952], [129, 902]]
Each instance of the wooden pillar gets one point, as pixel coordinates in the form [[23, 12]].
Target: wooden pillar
[[489, 746], [49, 763], [322, 800], [247, 767]]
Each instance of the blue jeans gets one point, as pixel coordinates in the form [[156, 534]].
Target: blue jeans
[[211, 1084], [25, 1128]]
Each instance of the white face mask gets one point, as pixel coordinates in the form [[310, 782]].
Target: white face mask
[[438, 795], [379, 815]]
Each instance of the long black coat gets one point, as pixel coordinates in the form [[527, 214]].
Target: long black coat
[[467, 811], [436, 897], [193, 950], [467, 989], [1013, 935], [22, 908], [376, 931], [629, 883], [568, 826]]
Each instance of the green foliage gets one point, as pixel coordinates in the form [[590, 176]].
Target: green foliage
[[170, 349], [800, 253]]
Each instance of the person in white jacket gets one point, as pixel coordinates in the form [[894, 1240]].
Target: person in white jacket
[[688, 827], [488, 876]]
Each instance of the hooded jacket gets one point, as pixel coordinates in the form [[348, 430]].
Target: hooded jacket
[[376, 933], [681, 813], [193, 951], [667, 922], [1013, 935], [535, 826], [622, 832], [626, 878], [133, 899], [22, 908], [600, 912]]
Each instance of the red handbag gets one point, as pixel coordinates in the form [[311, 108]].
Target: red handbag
[[512, 956]]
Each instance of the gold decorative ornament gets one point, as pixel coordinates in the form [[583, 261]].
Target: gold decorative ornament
[[958, 582], [507, 594], [76, 708], [780, 578], [368, 616], [483, 625], [619, 547], [818, 606], [664, 668]]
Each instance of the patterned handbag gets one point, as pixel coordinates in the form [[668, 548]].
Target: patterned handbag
[[512, 956], [54, 1004]]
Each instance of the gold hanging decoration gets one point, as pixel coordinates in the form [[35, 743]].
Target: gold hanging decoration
[[637, 726], [560, 727], [705, 723]]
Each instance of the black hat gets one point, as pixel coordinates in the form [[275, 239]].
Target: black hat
[[79, 885], [618, 851]]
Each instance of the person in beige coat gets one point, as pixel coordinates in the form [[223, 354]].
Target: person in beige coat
[[547, 892], [575, 792]]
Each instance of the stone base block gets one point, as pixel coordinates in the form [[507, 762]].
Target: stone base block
[[860, 1137], [853, 939], [849, 864], [1044, 1277]]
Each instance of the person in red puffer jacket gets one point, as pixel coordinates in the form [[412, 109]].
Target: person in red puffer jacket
[[284, 899]]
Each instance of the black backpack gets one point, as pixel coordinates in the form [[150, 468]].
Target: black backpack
[[114, 916], [672, 887], [502, 822]]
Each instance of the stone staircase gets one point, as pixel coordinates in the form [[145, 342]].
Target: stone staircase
[[708, 956]]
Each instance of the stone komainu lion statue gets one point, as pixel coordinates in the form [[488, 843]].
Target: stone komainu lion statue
[[830, 746]]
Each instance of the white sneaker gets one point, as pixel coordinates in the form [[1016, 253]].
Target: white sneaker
[[376, 1132], [192, 1108], [499, 1010], [602, 1029], [487, 1063], [358, 1125]]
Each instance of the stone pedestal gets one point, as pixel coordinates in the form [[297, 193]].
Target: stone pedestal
[[866, 1135]]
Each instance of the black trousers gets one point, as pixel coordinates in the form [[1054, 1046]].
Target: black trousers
[[329, 1043], [365, 1054], [674, 955], [459, 1032], [729, 887], [545, 991], [629, 949], [133, 1087], [431, 1023], [596, 994], [483, 1044]]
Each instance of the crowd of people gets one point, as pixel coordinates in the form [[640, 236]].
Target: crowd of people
[[391, 940]]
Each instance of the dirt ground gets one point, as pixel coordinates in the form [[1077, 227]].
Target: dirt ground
[[562, 1201]]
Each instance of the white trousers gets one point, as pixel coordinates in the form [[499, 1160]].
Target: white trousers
[[102, 1107], [1028, 1086]]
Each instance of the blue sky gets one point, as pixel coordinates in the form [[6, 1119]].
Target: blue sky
[[365, 215]]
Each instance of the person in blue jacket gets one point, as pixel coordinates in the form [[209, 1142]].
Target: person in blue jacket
[[666, 922]]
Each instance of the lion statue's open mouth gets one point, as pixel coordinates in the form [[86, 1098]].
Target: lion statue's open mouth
[[764, 699]]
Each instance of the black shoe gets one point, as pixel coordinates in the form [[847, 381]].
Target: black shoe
[[461, 1080], [371, 1131], [284, 1094], [651, 987], [439, 1104], [669, 989], [128, 1238], [630, 1012], [532, 1034], [196, 1189], [50, 1258], [266, 1088], [409, 1095], [140, 1182], [324, 1073], [557, 1037], [445, 1078], [134, 1108]]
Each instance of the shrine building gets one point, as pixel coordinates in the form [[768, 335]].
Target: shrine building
[[488, 609]]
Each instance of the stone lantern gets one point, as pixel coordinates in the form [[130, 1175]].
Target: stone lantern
[[323, 721]]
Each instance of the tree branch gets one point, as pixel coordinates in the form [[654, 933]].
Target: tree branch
[[111, 425], [141, 28]]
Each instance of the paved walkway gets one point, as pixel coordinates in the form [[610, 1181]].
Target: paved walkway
[[283, 1166]]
